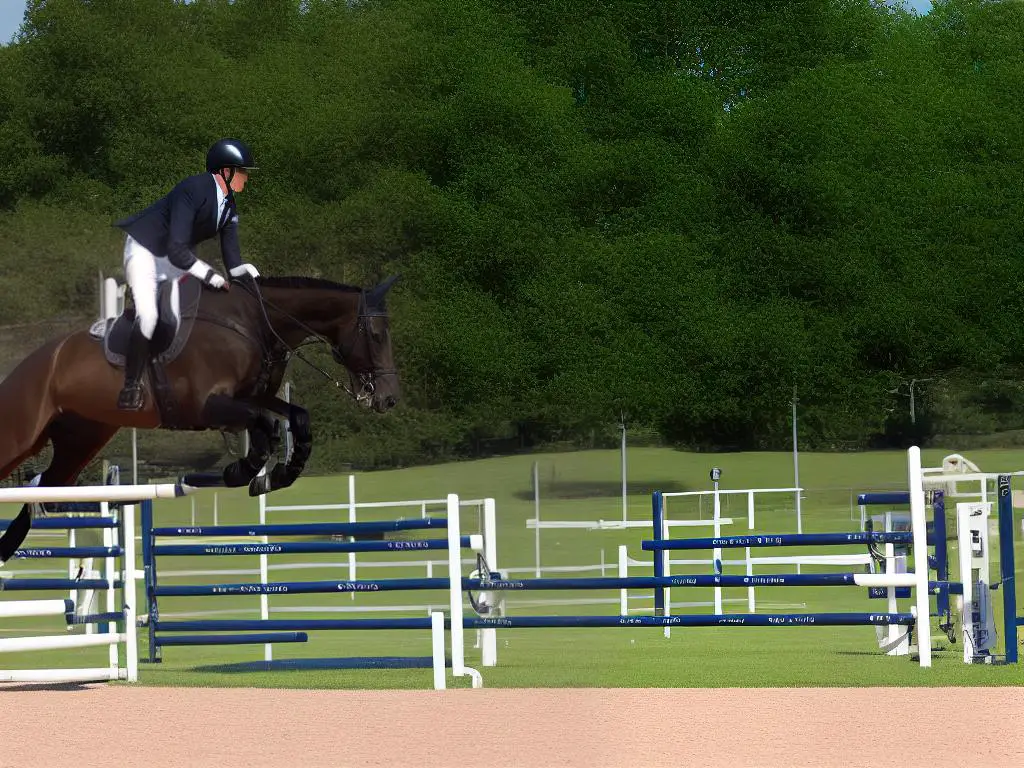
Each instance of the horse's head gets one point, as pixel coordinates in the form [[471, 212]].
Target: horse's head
[[366, 351]]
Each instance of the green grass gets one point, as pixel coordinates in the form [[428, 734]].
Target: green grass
[[575, 486]]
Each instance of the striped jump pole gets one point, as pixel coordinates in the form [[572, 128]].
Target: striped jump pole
[[117, 583]]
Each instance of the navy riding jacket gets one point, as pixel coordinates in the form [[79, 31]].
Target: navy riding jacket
[[173, 225]]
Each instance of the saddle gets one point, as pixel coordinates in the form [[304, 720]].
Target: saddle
[[177, 308]]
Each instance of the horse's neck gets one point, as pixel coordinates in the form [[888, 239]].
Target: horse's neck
[[294, 312]]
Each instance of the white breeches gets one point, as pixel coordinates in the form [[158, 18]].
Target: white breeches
[[143, 272]]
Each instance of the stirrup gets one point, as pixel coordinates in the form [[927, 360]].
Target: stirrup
[[131, 398]]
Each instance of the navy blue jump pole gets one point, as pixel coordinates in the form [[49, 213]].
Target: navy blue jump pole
[[883, 498], [65, 523], [523, 585], [688, 620], [305, 529], [44, 552], [261, 625], [1007, 568], [28, 585], [258, 638], [412, 545], [778, 540]]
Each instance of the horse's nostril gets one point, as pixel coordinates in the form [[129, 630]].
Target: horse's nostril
[[390, 402]]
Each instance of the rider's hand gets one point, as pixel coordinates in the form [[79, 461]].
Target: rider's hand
[[204, 272], [245, 269]]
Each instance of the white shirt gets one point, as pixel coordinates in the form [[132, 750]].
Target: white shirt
[[222, 200]]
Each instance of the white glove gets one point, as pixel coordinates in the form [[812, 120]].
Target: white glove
[[245, 269], [204, 272]]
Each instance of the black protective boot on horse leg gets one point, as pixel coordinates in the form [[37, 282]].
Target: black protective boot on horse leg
[[136, 358]]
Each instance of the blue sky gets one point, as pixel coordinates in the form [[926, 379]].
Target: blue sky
[[12, 11]]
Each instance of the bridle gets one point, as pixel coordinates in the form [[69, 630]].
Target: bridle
[[364, 381]]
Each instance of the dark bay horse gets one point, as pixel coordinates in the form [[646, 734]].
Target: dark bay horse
[[226, 377]]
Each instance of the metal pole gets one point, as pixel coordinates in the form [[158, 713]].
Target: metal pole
[[536, 516], [796, 467], [625, 503]]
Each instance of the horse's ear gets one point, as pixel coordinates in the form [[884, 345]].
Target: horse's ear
[[378, 292]]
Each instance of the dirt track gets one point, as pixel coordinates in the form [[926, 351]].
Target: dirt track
[[183, 727]]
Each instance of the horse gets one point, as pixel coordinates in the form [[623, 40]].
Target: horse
[[224, 377]]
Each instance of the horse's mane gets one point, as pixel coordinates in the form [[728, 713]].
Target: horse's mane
[[306, 282]]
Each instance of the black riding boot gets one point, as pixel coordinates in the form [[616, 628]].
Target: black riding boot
[[135, 361]]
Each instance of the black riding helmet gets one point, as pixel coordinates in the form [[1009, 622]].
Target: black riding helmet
[[229, 153]]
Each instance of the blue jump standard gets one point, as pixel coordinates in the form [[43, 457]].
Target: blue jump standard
[[516, 585], [305, 529], [778, 540], [413, 545]]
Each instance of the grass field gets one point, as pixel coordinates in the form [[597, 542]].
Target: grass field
[[574, 486]]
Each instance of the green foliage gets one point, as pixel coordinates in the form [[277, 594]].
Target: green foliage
[[667, 212]]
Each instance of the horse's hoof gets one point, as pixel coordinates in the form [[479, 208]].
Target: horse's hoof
[[202, 480], [259, 485]]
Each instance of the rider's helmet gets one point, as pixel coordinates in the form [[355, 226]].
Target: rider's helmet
[[229, 153]]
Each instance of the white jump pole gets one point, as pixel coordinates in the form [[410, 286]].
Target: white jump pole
[[111, 493], [15, 609]]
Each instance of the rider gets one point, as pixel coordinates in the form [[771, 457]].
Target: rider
[[160, 242]]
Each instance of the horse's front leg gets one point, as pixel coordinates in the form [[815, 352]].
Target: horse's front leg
[[283, 475], [228, 413]]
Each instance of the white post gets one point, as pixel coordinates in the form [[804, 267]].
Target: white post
[[489, 639], [109, 308], [135, 456], [110, 574], [268, 648], [624, 573], [130, 579], [751, 598], [352, 519], [455, 587], [716, 554], [917, 519], [288, 445], [437, 645], [536, 516], [625, 502], [796, 469]]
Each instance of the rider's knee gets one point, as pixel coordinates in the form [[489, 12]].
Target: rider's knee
[[147, 324]]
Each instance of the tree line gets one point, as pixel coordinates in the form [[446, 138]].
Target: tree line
[[668, 212]]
